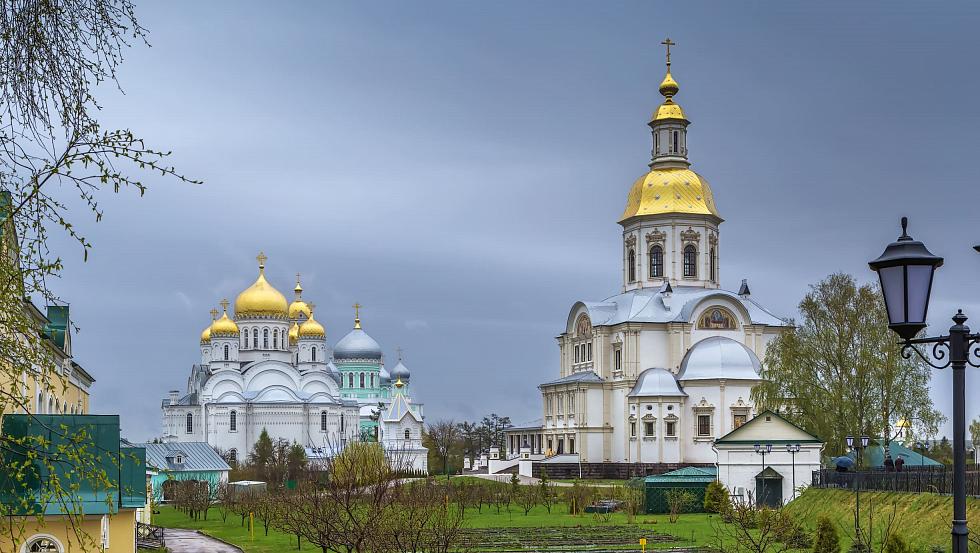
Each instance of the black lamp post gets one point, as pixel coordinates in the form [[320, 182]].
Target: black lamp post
[[762, 449], [793, 449], [905, 270], [857, 445]]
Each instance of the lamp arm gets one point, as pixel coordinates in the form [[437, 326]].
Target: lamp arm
[[940, 347], [973, 350]]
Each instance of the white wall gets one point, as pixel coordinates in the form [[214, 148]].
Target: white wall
[[739, 464]]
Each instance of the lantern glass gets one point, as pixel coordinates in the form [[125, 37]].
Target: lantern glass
[[893, 288], [850, 441], [757, 447], [768, 448], [864, 441], [918, 287]]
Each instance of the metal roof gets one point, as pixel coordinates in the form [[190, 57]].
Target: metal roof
[[197, 456], [686, 474], [656, 382], [581, 376], [719, 357]]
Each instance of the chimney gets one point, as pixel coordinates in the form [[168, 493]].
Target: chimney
[[665, 292], [743, 290], [173, 396]]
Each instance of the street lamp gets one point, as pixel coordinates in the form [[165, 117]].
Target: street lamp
[[905, 269], [762, 449], [793, 449], [857, 445]]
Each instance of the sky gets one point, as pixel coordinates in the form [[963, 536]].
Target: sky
[[459, 167]]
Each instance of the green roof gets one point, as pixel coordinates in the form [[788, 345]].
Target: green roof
[[874, 456], [686, 474], [56, 438], [57, 327]]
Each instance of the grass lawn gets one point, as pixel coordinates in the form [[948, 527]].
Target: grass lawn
[[696, 527]]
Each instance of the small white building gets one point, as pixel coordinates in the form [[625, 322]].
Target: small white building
[[400, 433], [771, 478]]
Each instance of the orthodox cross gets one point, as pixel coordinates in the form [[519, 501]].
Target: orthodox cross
[[668, 43], [224, 305], [261, 259], [312, 307], [214, 314], [357, 315], [399, 350]]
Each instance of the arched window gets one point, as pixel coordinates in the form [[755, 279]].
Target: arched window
[[631, 259], [189, 423], [408, 434], [341, 422], [233, 455], [313, 353], [244, 338], [576, 354], [43, 545], [690, 261], [226, 352], [362, 380], [372, 380], [265, 338], [714, 266], [255, 338], [275, 338], [323, 421], [233, 421], [656, 262], [350, 380]]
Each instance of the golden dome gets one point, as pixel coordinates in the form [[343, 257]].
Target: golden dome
[[298, 306], [670, 190], [293, 333], [311, 329], [669, 87], [224, 326], [668, 109], [206, 333], [261, 299]]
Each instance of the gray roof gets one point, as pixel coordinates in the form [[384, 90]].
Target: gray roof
[[581, 376], [399, 408], [333, 373], [536, 424], [196, 455], [647, 306], [401, 372], [719, 357], [656, 382], [384, 375], [357, 345]]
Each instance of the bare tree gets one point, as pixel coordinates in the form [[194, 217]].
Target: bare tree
[[443, 436]]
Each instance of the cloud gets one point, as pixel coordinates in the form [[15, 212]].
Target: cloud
[[416, 324]]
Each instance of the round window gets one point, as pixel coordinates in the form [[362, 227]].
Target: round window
[[42, 545]]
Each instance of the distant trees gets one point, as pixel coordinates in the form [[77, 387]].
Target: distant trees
[[843, 355], [443, 438]]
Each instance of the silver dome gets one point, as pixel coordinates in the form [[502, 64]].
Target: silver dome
[[401, 372], [656, 382], [357, 345], [385, 376], [718, 357]]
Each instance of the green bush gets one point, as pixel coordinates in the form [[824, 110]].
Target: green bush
[[827, 540], [716, 498], [896, 544]]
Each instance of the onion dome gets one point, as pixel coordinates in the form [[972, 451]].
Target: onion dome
[[261, 299], [294, 333], [224, 326], [311, 329], [298, 306], [206, 333], [357, 344], [670, 190], [668, 88], [401, 372], [385, 376], [718, 357]]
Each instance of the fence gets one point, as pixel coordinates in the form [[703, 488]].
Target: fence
[[933, 480], [149, 536]]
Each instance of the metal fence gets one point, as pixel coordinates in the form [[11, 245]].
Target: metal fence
[[921, 480]]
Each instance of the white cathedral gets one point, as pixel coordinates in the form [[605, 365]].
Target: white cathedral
[[269, 367], [657, 372]]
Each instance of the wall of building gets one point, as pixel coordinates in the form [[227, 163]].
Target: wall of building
[[122, 532]]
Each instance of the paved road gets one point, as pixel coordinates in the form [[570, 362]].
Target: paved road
[[189, 541]]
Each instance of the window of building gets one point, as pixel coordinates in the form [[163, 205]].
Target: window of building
[[372, 380], [690, 261], [551, 445], [42, 545], [618, 359], [342, 423], [323, 421], [561, 446], [576, 353], [631, 259], [714, 265], [738, 419], [255, 338], [571, 445], [408, 434], [350, 380], [275, 338], [362, 380], [590, 351], [656, 262], [244, 338], [632, 430], [189, 423], [233, 456], [313, 354], [648, 429], [670, 429], [226, 352], [560, 405], [265, 338], [704, 425], [233, 421], [656, 143], [676, 148]]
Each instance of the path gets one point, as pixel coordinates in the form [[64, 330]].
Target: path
[[531, 481], [189, 541]]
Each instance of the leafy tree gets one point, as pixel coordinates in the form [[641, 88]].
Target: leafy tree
[[263, 450], [827, 539], [54, 154], [975, 432], [296, 461], [844, 355], [678, 501], [716, 497]]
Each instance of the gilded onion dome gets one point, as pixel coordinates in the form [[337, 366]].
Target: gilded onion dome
[[312, 329], [261, 299], [224, 326], [206, 333], [670, 190], [298, 306], [668, 109], [294, 333]]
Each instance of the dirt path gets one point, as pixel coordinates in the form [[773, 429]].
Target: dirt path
[[189, 541]]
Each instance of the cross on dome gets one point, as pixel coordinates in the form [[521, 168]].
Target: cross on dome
[[261, 259], [668, 43], [214, 313], [357, 315], [224, 306]]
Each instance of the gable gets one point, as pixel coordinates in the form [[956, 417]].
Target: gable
[[768, 427]]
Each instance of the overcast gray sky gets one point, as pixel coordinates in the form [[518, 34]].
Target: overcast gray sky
[[459, 167]]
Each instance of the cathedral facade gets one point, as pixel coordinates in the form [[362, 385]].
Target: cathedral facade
[[269, 366], [656, 373]]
